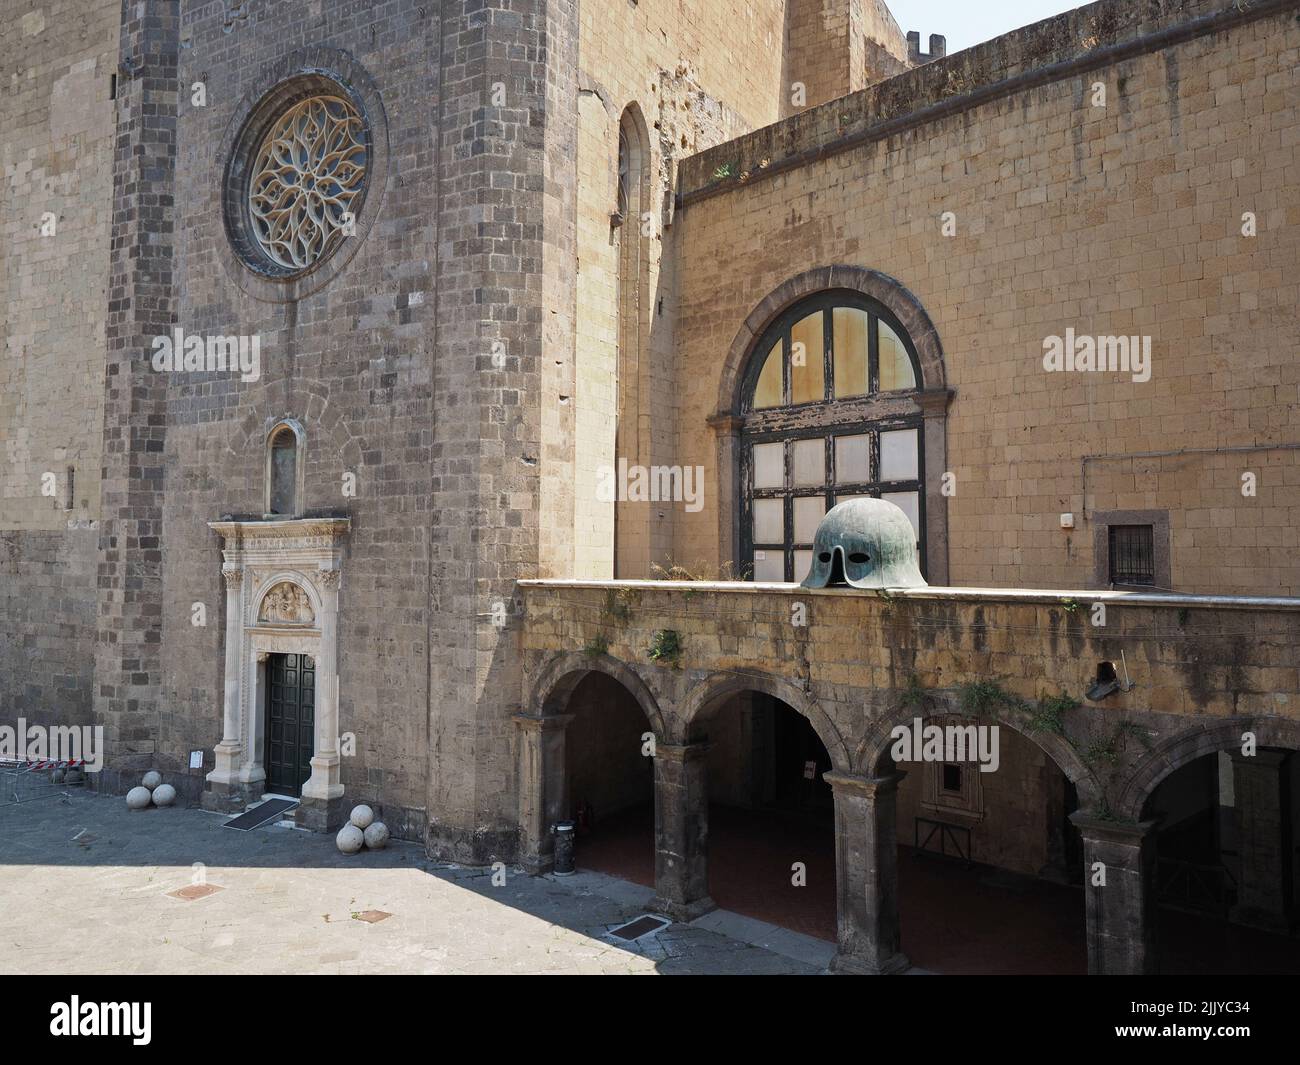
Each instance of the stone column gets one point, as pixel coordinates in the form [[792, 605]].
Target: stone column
[[682, 831], [324, 788], [726, 427], [1263, 840], [229, 751], [1121, 911], [866, 873], [543, 787], [934, 411]]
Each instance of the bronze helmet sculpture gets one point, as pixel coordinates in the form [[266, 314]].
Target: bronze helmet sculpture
[[865, 543]]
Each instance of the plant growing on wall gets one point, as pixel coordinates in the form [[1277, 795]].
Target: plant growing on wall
[[596, 646], [666, 648], [618, 605], [1049, 714]]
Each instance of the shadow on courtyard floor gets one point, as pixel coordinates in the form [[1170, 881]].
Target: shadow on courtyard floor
[[89, 888], [955, 919]]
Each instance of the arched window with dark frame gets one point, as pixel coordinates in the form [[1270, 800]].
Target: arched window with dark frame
[[828, 415]]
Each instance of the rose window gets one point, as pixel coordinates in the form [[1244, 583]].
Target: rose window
[[307, 181]]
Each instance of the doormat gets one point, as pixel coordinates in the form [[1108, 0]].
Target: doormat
[[642, 926], [271, 810]]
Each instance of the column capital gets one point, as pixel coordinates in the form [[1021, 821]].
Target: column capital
[[725, 423], [1095, 828], [529, 723], [934, 402], [675, 752], [867, 787]]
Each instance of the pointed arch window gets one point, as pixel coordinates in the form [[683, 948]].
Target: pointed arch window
[[828, 415]]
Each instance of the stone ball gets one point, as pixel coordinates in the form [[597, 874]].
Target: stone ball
[[376, 836], [138, 798], [56, 777], [362, 816], [152, 779], [164, 795], [350, 839]]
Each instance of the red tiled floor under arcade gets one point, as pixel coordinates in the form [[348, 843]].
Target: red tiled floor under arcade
[[954, 919]]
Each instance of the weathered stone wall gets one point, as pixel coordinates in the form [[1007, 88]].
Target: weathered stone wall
[[836, 48], [1021, 809], [47, 601], [56, 148], [693, 75], [352, 361], [1119, 219], [1195, 665]]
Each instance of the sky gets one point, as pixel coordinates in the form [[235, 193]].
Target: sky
[[968, 22]]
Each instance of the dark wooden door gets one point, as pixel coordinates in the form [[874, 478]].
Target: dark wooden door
[[290, 722]]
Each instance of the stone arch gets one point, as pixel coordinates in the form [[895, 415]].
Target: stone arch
[[324, 427], [1186, 746], [874, 748], [932, 399], [284, 576], [708, 695], [556, 682], [881, 287]]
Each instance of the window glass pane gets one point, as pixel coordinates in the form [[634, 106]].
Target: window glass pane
[[809, 462], [842, 499], [849, 347], [769, 521], [808, 511], [769, 565], [769, 465], [852, 459], [909, 504], [283, 472], [898, 456], [802, 564], [895, 366], [767, 392], [807, 372]]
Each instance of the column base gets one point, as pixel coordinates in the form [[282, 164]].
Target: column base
[[323, 784], [683, 912], [321, 815], [851, 965], [228, 798]]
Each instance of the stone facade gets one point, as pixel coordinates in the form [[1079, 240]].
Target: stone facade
[[1119, 218], [57, 114]]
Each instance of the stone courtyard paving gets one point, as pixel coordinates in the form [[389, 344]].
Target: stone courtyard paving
[[86, 886]]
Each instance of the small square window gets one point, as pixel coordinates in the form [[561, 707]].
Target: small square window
[[952, 777], [1132, 554]]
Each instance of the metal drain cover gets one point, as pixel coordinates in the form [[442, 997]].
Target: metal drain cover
[[642, 926]]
